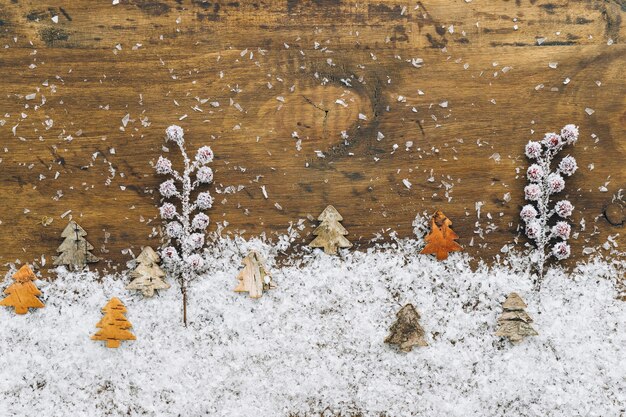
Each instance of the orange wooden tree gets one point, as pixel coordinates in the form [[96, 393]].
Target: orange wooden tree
[[441, 239], [22, 294], [113, 326]]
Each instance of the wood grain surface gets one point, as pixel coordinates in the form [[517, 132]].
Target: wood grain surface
[[88, 88]]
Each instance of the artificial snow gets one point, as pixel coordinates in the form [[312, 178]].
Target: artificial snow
[[315, 342]]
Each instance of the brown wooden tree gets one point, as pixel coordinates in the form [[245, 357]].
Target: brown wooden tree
[[514, 323], [22, 294], [407, 332], [148, 276], [74, 252], [330, 233], [441, 239], [114, 325], [254, 277]]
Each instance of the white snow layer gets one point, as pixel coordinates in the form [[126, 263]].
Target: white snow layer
[[315, 343]]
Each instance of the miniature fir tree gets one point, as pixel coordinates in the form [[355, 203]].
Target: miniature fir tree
[[147, 276], [441, 239], [407, 332], [75, 250], [113, 326], [330, 233], [254, 277], [183, 256], [514, 323], [22, 294]]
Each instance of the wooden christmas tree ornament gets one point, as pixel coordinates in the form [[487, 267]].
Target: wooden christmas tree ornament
[[113, 326], [407, 332], [22, 294], [254, 277], [330, 233], [74, 251], [514, 323], [147, 276], [441, 239]]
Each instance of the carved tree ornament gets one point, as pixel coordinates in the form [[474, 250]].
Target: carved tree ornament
[[147, 276], [441, 239], [22, 294], [74, 251], [407, 332], [514, 323], [330, 233], [254, 277], [114, 325]]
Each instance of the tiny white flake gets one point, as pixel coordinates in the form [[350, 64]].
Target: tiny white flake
[[407, 183]]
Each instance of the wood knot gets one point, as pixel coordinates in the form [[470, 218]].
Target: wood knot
[[615, 213]]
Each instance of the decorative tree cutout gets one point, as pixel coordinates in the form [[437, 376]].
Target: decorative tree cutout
[[22, 294], [183, 256], [74, 251], [514, 322], [330, 233], [407, 332], [441, 239], [113, 326], [148, 276], [254, 277]]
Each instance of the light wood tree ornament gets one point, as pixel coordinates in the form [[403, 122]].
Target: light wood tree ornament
[[22, 294], [514, 323], [148, 276], [254, 277], [330, 233], [74, 251], [407, 332], [441, 239], [114, 325]]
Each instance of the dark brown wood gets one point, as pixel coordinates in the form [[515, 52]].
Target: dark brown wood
[[285, 65]]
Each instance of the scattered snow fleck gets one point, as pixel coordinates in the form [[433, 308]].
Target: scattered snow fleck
[[407, 183], [589, 111]]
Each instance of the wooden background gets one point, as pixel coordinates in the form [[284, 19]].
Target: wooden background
[[85, 100]]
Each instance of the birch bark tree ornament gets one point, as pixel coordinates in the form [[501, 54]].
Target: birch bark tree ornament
[[407, 332], [74, 252], [441, 239], [22, 294], [254, 277], [183, 255], [514, 323], [114, 325], [148, 276], [330, 233]]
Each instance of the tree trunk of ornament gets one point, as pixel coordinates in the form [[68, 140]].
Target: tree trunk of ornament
[[183, 289]]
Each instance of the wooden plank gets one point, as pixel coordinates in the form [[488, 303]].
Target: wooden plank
[[279, 67]]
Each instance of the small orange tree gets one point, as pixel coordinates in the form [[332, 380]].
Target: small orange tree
[[441, 239], [22, 294], [113, 326]]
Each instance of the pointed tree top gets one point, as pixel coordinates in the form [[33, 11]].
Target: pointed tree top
[[408, 311], [514, 302], [24, 274], [114, 304], [72, 229], [148, 255], [330, 213]]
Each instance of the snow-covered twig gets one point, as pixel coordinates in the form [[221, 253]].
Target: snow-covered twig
[[543, 184], [182, 256]]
